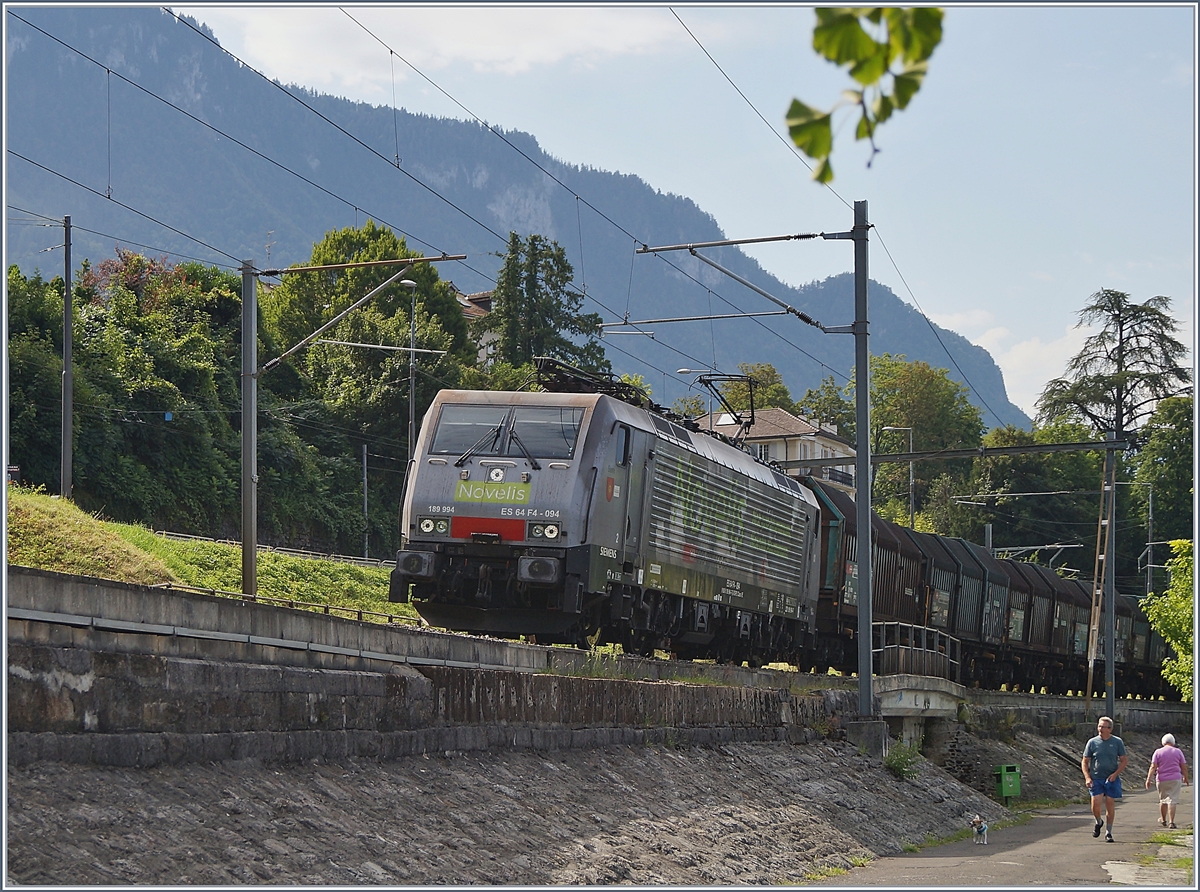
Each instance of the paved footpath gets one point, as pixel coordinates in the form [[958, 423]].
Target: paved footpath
[[1055, 848]]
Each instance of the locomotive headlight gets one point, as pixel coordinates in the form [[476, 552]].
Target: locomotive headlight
[[433, 526], [537, 531], [542, 570], [551, 531], [415, 563]]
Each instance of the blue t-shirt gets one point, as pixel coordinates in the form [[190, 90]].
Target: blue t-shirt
[[1105, 755]]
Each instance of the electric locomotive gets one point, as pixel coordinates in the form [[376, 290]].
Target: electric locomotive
[[591, 516]]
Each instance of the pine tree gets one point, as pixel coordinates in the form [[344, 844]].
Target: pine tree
[[536, 313]]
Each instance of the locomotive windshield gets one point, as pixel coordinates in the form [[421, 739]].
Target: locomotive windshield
[[541, 431]]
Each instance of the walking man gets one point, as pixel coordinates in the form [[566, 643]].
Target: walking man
[[1103, 761], [1170, 766]]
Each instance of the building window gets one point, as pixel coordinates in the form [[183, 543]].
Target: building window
[[764, 451]]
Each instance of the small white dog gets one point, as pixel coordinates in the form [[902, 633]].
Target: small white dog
[[979, 825]]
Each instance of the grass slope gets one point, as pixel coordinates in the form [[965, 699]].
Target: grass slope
[[52, 534], [48, 533]]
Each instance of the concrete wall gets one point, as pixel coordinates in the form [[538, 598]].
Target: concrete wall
[[1053, 715], [103, 604], [115, 674]]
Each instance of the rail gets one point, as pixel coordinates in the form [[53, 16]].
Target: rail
[[356, 613], [907, 649], [289, 552]]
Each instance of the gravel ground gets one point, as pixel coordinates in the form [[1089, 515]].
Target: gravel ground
[[738, 814]]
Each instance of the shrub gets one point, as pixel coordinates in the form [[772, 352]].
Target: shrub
[[901, 759]]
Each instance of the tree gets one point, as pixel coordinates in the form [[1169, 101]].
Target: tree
[[340, 398], [769, 389], [534, 313], [691, 406], [1122, 372], [907, 36], [35, 376], [915, 395], [1172, 614], [1037, 499], [303, 302], [1164, 462], [831, 404], [155, 356]]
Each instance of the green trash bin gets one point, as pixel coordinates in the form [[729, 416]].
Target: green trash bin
[[1008, 781]]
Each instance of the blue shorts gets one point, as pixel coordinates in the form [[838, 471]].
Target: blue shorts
[[1102, 787]]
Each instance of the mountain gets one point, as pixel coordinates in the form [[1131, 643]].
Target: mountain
[[242, 166]]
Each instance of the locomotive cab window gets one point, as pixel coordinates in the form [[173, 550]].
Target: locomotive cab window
[[462, 427], [622, 445], [540, 431], [544, 431]]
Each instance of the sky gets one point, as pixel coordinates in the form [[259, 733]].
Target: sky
[[1050, 153]]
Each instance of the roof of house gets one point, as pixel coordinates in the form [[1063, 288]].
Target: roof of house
[[474, 305], [771, 424]]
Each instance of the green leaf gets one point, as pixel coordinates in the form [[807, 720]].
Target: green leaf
[[908, 82], [811, 130], [869, 70], [840, 38], [882, 108], [824, 172], [866, 127], [927, 33]]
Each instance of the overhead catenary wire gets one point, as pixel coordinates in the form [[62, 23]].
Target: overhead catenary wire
[[578, 197], [218, 131], [791, 148], [121, 204], [77, 228], [494, 130], [337, 126]]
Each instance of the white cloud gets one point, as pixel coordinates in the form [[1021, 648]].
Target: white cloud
[[1028, 365], [322, 48], [965, 321]]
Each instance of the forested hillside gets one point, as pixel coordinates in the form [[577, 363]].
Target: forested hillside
[[143, 129]]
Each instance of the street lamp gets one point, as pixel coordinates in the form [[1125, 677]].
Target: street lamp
[[700, 372], [912, 513]]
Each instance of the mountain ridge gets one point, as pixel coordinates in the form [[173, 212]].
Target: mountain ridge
[[458, 189]]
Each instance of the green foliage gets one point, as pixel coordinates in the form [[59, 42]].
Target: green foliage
[[1164, 462], [902, 759], [499, 376], [148, 340], [915, 395], [1172, 615], [868, 41], [1120, 374], [769, 389], [535, 313], [636, 381], [1068, 482], [152, 339], [831, 404], [691, 406], [49, 533]]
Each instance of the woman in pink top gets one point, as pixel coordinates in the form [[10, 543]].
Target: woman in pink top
[[1170, 766]]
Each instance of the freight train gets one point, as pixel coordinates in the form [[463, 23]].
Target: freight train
[[583, 514]]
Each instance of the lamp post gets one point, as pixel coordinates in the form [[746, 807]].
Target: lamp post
[[700, 372], [912, 513]]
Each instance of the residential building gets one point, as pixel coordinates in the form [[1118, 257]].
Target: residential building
[[778, 436]]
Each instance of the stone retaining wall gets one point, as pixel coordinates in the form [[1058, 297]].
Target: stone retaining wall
[[122, 682]]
